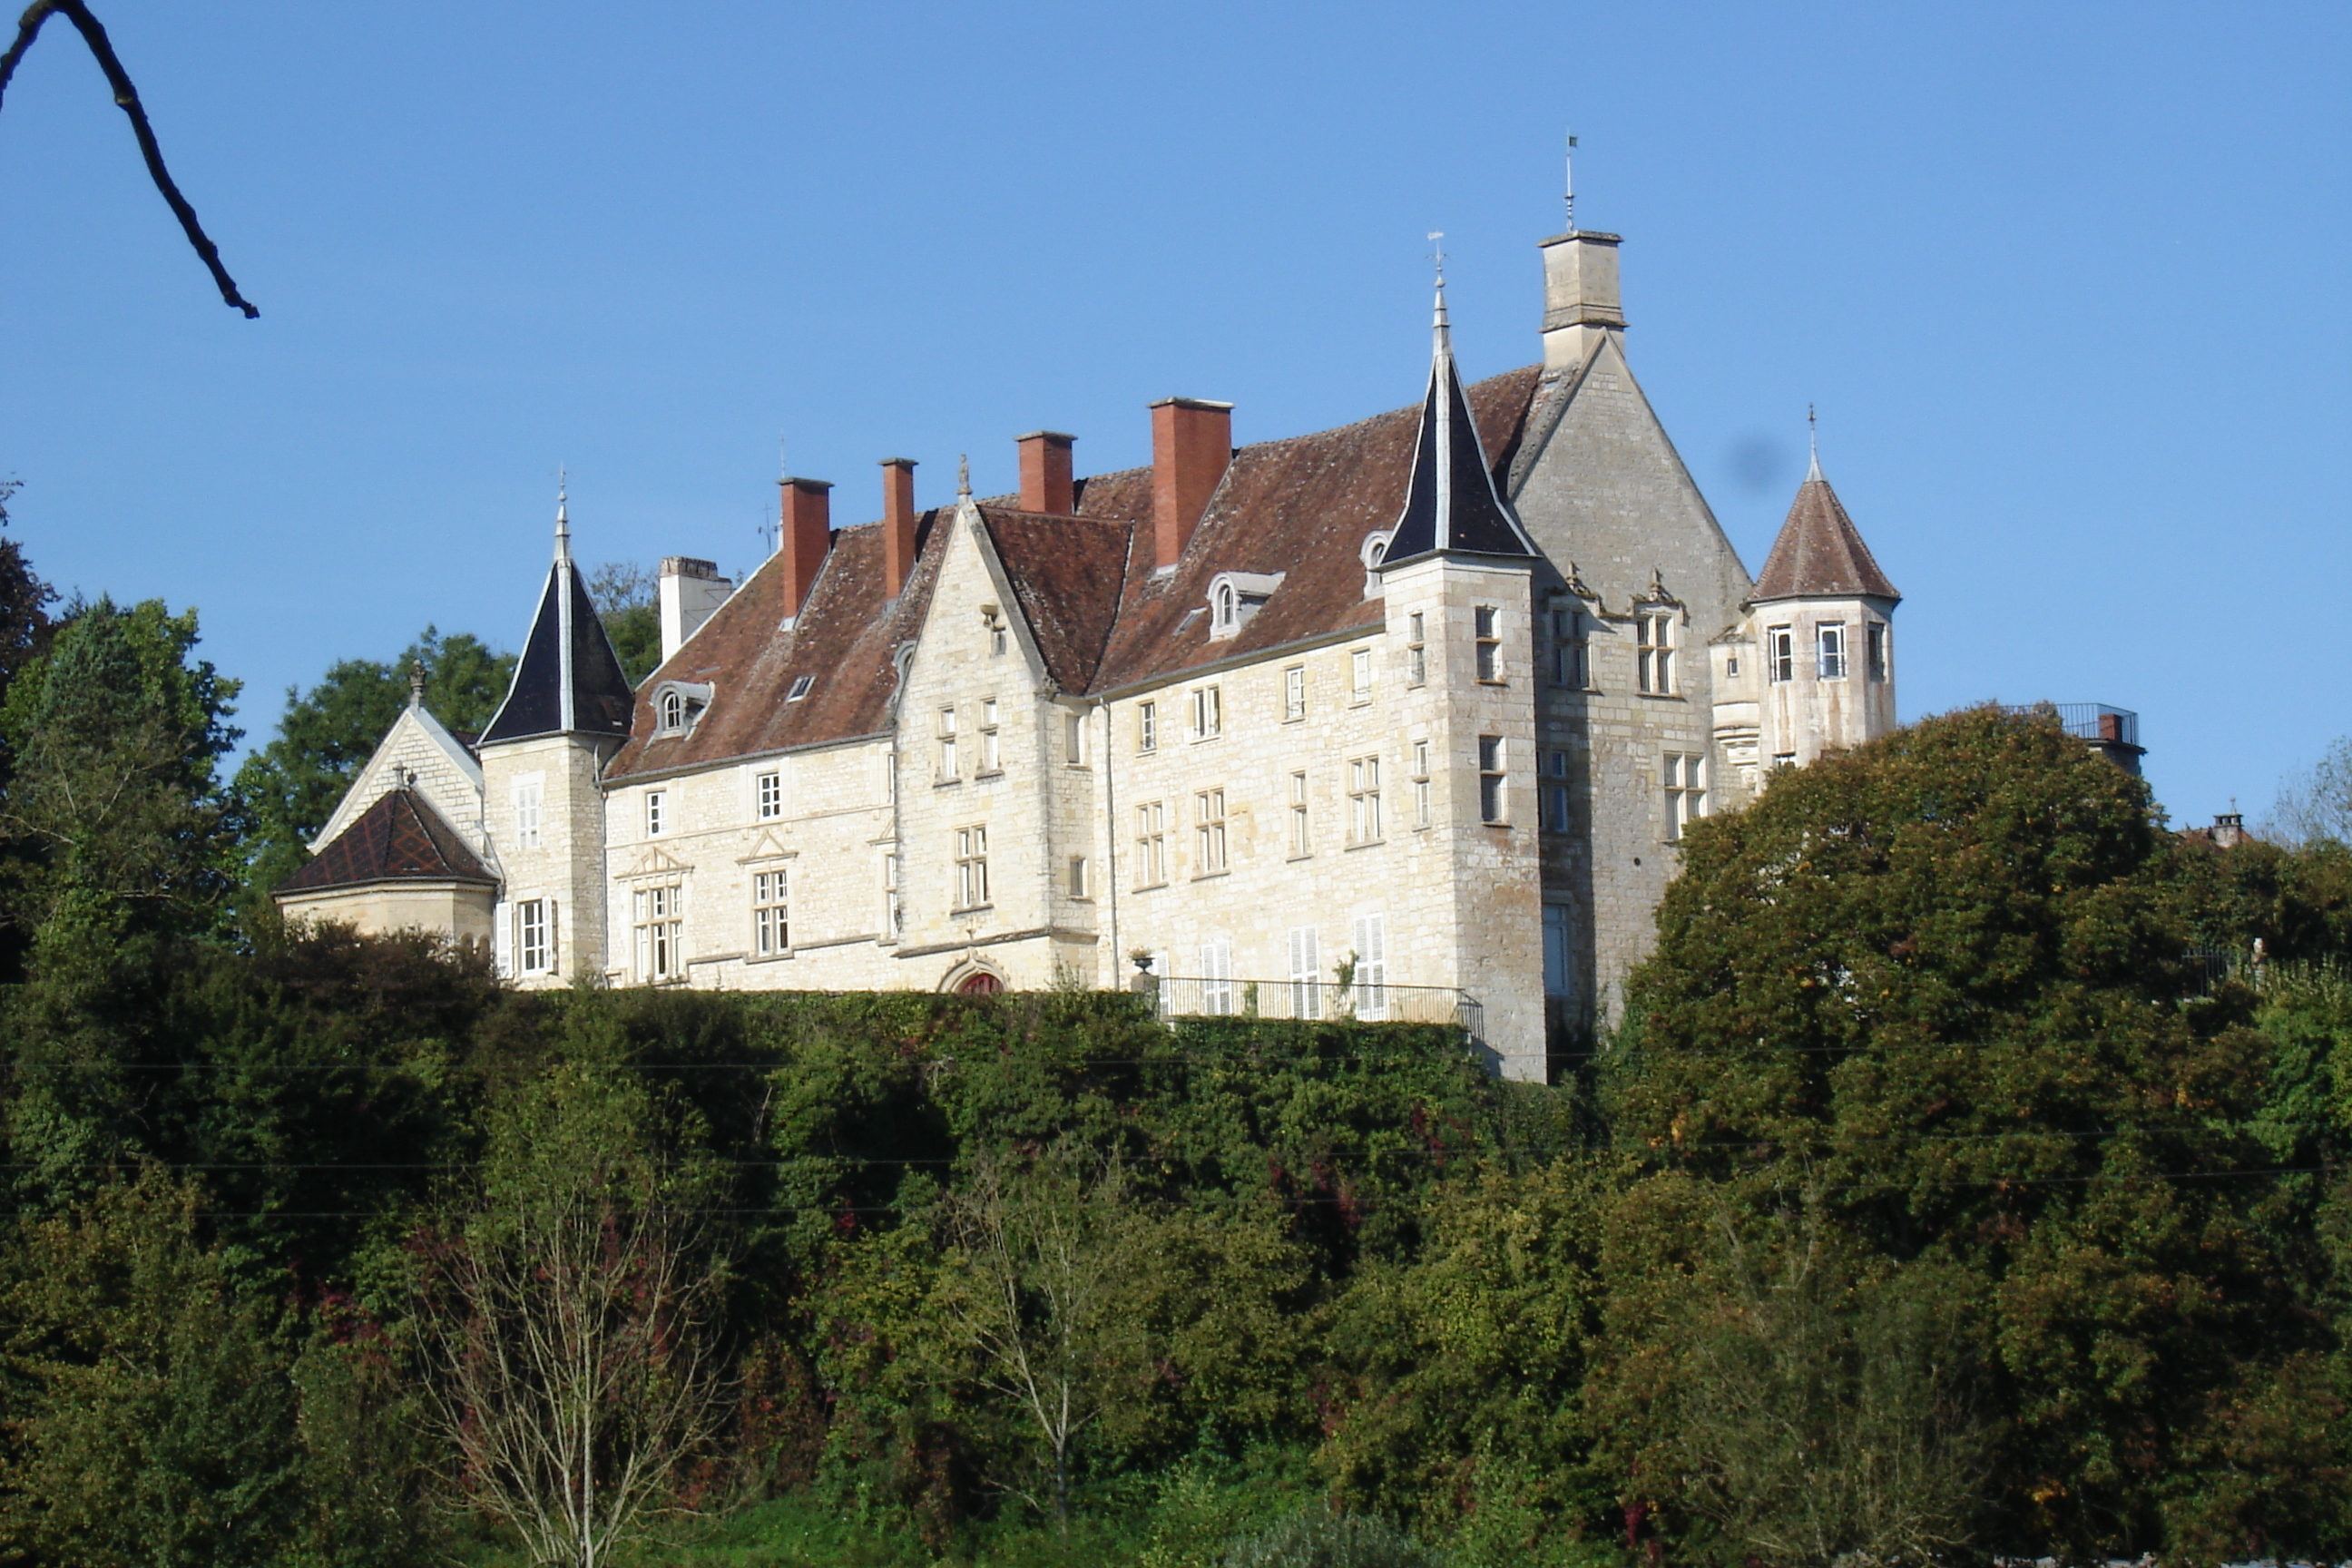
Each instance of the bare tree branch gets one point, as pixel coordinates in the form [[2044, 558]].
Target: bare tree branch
[[126, 98]]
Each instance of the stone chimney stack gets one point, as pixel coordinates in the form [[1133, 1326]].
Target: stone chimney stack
[[691, 591], [1047, 481], [1191, 442], [805, 536], [897, 524], [1580, 302]]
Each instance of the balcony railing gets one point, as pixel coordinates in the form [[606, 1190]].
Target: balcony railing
[[2092, 722], [1208, 997]]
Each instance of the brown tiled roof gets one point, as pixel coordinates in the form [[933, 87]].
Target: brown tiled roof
[[841, 640], [1085, 584], [1819, 552], [1301, 506], [399, 839]]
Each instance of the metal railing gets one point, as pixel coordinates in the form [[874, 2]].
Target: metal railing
[[1211, 997], [2092, 722]]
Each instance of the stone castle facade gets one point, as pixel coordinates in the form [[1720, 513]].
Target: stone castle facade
[[1423, 704]]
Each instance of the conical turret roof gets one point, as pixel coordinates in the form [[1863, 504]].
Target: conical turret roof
[[1451, 504], [569, 679], [1820, 552]]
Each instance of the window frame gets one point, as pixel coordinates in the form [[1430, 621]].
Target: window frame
[[1294, 693], [1146, 726], [1779, 654], [1493, 776], [1654, 653], [1682, 781], [1151, 844], [971, 867], [1830, 662], [772, 899], [1205, 712], [1302, 841], [657, 813], [1210, 840], [1487, 641], [768, 796], [657, 921], [534, 943], [1364, 823]]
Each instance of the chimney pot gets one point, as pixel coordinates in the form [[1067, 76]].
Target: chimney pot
[[1047, 479], [1191, 443], [897, 524], [805, 537]]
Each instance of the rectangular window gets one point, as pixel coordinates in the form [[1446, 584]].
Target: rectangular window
[[1555, 798], [1306, 972], [997, 635], [1074, 739], [770, 913], [1653, 654], [992, 760], [949, 764], [768, 797], [1294, 693], [1784, 759], [1486, 624], [1559, 956], [893, 916], [1779, 654], [1217, 975], [1151, 844], [1208, 714], [1570, 667], [1491, 796], [971, 867], [526, 810], [1421, 784], [1360, 673], [660, 955], [1209, 827], [1416, 650], [1875, 645], [1364, 800], [534, 954], [1146, 726], [1686, 785], [655, 802], [1078, 876], [1372, 966], [1828, 651], [1300, 843]]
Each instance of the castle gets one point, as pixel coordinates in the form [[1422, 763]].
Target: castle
[[1414, 709]]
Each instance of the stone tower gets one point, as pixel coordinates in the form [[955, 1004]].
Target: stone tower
[[543, 758], [1815, 660], [1457, 576]]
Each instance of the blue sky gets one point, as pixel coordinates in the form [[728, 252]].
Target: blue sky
[[2067, 282]]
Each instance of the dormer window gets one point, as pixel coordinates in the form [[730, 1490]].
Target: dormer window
[[1235, 597], [801, 684], [678, 705], [1375, 550]]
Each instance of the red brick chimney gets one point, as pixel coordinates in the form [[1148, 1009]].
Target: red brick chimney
[[805, 535], [1191, 442], [1046, 483], [897, 524]]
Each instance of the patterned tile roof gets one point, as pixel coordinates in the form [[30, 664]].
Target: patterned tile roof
[[1819, 552], [399, 839], [1102, 617]]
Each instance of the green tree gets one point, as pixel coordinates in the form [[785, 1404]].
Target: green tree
[[292, 785], [1460, 1365], [624, 595], [152, 1414], [1940, 980]]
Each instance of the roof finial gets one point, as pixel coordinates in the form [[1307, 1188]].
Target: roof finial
[[963, 477], [1813, 438], [1571, 182], [416, 683], [562, 515], [1437, 255]]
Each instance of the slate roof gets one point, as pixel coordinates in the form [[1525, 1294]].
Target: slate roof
[[1104, 619], [399, 839], [1453, 502], [569, 679], [1819, 552]]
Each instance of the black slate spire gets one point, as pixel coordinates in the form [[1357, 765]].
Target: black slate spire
[[1452, 504], [569, 679]]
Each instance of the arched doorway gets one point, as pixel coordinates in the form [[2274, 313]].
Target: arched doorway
[[979, 983]]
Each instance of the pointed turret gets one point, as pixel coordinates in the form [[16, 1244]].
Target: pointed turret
[[1820, 552], [1452, 505], [569, 680], [1820, 614]]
